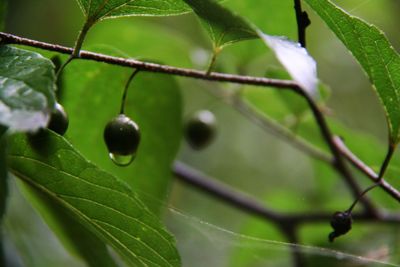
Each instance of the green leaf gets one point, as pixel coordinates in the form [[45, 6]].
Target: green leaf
[[100, 202], [3, 188], [141, 44], [3, 173], [223, 26], [27, 85], [102, 9], [375, 54], [278, 12], [78, 240], [93, 97]]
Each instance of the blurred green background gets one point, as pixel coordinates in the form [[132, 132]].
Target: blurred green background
[[242, 155]]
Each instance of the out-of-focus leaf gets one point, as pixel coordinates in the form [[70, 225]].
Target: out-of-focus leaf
[[27, 85], [93, 97], [103, 9], [3, 8], [78, 240], [223, 26], [3, 172], [392, 175], [375, 54], [273, 107], [272, 17], [99, 201], [269, 102], [142, 42]]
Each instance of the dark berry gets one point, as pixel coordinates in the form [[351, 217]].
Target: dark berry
[[200, 129], [122, 136], [58, 120], [341, 224]]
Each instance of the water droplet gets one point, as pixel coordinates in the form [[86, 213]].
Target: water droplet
[[122, 160]]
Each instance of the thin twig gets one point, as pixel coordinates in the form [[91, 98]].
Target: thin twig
[[214, 56], [124, 95], [364, 193], [152, 67], [386, 161], [302, 22]]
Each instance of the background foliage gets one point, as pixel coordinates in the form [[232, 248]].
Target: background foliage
[[254, 161]]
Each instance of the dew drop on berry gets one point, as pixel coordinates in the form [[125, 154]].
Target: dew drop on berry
[[121, 160]]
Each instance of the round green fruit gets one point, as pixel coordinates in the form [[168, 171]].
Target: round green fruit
[[58, 120], [200, 129], [122, 136]]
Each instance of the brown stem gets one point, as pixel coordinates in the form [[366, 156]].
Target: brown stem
[[302, 22], [152, 67], [386, 161], [214, 56], [123, 100]]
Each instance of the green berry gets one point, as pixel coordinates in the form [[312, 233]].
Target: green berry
[[58, 120], [200, 129], [122, 136]]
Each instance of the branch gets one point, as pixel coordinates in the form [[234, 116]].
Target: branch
[[7, 38], [357, 163], [252, 206], [302, 22]]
